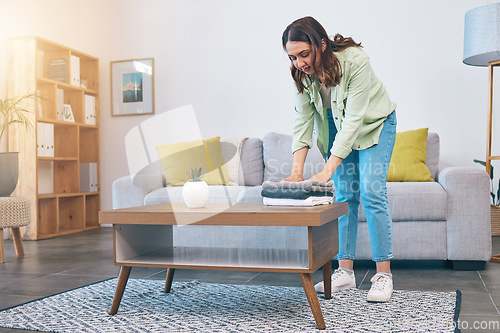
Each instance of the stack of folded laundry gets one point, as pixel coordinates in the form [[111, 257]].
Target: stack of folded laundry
[[305, 193]]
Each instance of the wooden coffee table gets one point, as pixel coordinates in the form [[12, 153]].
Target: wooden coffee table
[[143, 237]]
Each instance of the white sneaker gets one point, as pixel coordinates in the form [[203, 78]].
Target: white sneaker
[[341, 280], [381, 290]]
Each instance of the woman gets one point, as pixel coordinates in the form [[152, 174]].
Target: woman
[[356, 127]]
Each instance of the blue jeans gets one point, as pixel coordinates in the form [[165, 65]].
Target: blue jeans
[[363, 174]]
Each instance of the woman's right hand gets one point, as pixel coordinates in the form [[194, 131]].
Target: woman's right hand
[[294, 178]]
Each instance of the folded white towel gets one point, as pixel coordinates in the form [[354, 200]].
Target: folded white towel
[[309, 202]]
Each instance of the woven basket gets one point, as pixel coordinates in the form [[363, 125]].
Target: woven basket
[[495, 220]]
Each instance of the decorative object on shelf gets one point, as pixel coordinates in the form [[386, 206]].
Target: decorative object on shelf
[[68, 113], [132, 87], [13, 111], [482, 48], [83, 83], [195, 192]]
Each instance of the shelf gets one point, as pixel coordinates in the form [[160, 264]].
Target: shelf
[[44, 158], [52, 183], [230, 258], [67, 195], [65, 86], [58, 122], [67, 123]]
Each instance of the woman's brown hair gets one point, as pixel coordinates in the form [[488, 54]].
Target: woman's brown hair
[[308, 30]]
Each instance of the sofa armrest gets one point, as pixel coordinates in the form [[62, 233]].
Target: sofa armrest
[[468, 223], [130, 192]]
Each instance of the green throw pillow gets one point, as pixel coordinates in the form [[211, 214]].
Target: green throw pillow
[[409, 156], [178, 158]]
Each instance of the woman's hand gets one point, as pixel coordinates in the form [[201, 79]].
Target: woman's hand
[[322, 176], [294, 178], [328, 170]]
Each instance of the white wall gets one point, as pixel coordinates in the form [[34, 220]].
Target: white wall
[[225, 58]]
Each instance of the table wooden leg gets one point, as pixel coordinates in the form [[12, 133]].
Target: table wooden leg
[[327, 279], [170, 278], [120, 288], [2, 256], [312, 298]]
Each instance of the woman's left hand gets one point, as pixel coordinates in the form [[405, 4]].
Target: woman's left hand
[[322, 176], [328, 170]]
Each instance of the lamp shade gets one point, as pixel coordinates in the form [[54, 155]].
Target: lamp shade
[[482, 35]]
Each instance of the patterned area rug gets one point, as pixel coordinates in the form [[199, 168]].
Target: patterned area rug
[[205, 307]]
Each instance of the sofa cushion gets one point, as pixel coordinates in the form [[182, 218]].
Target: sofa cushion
[[409, 157], [415, 201], [230, 148], [177, 159], [251, 171], [278, 158], [417, 240], [433, 154], [218, 194]]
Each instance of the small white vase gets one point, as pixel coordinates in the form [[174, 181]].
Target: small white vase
[[195, 194]]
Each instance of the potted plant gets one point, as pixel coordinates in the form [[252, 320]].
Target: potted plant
[[195, 191], [495, 206], [12, 111]]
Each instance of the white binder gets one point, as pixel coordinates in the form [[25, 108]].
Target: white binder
[[90, 111], [85, 177], [60, 104], [40, 139], [88, 177], [49, 139], [75, 70], [93, 174]]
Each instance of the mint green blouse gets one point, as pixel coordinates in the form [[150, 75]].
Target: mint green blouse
[[360, 104]]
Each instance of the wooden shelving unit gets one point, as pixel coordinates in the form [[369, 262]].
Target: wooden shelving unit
[[67, 209]]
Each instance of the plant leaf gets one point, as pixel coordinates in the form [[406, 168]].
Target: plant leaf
[[483, 163], [498, 195]]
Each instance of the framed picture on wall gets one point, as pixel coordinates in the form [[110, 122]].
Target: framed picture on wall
[[132, 87]]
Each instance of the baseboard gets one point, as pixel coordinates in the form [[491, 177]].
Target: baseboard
[[468, 265]]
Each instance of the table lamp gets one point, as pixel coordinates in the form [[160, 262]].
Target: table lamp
[[482, 48]]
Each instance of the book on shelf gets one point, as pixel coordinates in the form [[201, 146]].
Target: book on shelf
[[45, 139], [40, 139], [90, 117], [75, 70], [88, 177], [60, 104], [58, 70]]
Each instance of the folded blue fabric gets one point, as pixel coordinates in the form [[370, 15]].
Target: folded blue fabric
[[293, 193], [309, 185], [297, 190]]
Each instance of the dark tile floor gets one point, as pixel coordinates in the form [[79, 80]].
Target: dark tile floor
[[55, 265]]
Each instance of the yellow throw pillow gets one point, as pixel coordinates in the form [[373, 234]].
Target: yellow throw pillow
[[178, 158], [409, 156]]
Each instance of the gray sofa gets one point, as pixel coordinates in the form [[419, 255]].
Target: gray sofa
[[448, 219]]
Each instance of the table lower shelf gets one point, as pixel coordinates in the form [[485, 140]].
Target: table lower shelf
[[249, 259]]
